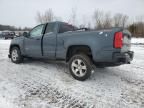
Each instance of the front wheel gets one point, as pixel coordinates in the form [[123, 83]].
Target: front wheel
[[80, 67], [16, 56]]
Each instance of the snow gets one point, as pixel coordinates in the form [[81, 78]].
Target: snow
[[48, 84], [137, 41]]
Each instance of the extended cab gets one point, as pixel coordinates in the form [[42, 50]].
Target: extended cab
[[81, 48]]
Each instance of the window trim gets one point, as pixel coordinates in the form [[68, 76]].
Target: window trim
[[55, 27], [36, 27]]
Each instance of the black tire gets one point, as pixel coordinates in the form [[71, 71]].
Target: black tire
[[86, 61], [19, 58]]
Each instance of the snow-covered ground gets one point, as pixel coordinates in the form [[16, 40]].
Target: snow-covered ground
[[47, 84], [137, 41]]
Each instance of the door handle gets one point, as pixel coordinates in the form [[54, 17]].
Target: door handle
[[38, 39]]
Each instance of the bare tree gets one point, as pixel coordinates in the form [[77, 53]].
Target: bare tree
[[73, 16], [98, 19], [140, 24], [102, 20], [124, 21], [117, 20], [84, 20], [137, 27], [39, 18], [48, 16], [120, 20], [107, 23]]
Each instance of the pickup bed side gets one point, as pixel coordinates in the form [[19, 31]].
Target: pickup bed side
[[100, 44]]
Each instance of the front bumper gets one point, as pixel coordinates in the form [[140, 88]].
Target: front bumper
[[123, 58]]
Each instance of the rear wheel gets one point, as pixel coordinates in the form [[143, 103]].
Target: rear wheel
[[80, 67], [16, 56]]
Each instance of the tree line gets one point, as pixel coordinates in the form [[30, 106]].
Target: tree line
[[13, 28], [100, 20]]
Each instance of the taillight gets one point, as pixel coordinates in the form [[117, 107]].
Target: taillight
[[118, 40]]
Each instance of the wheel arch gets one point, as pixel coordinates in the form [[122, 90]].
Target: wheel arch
[[14, 45], [75, 49]]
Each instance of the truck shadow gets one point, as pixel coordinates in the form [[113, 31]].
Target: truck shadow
[[62, 67], [62, 70]]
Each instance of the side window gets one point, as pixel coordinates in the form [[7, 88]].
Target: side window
[[37, 31], [65, 28], [50, 28]]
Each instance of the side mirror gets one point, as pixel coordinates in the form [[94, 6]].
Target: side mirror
[[25, 34]]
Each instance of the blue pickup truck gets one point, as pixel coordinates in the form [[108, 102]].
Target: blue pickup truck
[[81, 48]]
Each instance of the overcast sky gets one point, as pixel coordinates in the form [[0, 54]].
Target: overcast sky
[[23, 12]]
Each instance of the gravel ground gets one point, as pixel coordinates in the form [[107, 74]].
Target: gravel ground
[[47, 84]]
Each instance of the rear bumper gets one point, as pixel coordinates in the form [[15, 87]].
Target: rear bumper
[[117, 59], [123, 58]]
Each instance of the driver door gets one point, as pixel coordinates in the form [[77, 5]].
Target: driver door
[[32, 43]]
